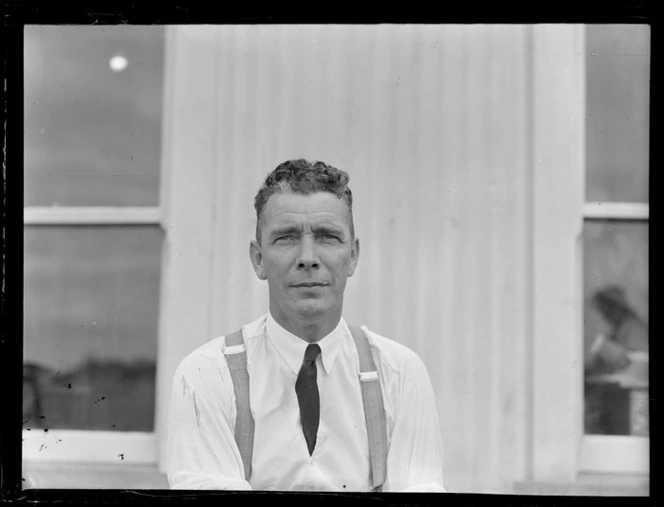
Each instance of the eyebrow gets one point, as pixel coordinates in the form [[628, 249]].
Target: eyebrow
[[328, 229], [291, 229]]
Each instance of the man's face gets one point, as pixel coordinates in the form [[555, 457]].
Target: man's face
[[306, 254]]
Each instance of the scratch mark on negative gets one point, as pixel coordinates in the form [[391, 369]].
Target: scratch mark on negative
[[198, 415]]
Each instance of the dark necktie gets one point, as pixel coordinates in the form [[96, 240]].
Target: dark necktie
[[307, 396]]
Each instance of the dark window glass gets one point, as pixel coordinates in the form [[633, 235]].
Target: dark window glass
[[618, 101], [93, 105], [90, 326], [616, 327]]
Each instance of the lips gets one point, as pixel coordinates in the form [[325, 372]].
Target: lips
[[310, 284]]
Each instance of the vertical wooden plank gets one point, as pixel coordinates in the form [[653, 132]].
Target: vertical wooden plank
[[451, 397], [559, 167], [353, 53], [495, 258], [190, 128], [459, 311], [479, 279], [509, 300], [427, 215]]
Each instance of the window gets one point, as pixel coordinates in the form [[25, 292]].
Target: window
[[615, 246], [93, 239], [575, 220]]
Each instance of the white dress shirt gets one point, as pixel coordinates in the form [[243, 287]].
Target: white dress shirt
[[202, 453]]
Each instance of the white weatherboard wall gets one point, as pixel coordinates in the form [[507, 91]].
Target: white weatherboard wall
[[434, 126]]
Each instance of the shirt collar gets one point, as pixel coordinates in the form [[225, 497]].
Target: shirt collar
[[292, 347]]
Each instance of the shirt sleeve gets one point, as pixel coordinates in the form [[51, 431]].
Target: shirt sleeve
[[201, 449], [414, 460]]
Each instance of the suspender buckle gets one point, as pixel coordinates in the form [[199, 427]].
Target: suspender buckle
[[234, 349], [368, 376]]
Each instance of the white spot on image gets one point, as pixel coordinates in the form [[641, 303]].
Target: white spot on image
[[118, 63]]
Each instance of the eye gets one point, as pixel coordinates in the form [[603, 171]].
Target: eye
[[286, 237], [328, 236]]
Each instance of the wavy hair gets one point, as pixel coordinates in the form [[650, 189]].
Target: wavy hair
[[302, 176]]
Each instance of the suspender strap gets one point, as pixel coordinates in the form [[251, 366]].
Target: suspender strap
[[236, 356], [374, 412], [372, 399]]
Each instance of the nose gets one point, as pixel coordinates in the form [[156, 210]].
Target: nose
[[307, 257]]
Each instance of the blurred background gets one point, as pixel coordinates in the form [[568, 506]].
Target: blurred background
[[501, 183]]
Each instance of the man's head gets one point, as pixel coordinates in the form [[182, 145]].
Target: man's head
[[305, 245], [612, 303], [304, 177]]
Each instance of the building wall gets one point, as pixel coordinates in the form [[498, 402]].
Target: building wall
[[432, 124]]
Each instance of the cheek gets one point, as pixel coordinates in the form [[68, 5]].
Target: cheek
[[342, 267], [277, 265]]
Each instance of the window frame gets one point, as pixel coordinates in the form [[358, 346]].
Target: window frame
[[90, 446], [627, 454], [184, 217], [560, 451], [94, 446], [92, 215]]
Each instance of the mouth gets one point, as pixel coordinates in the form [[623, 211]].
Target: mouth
[[309, 284]]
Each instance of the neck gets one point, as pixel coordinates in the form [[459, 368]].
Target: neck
[[309, 330]]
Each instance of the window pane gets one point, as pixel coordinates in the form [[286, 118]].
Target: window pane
[[90, 326], [93, 134], [616, 327], [618, 90]]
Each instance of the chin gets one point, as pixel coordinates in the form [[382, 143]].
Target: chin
[[312, 310]]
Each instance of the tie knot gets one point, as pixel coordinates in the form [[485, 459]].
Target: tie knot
[[312, 352]]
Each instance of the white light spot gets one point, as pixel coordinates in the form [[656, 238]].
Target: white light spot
[[118, 63]]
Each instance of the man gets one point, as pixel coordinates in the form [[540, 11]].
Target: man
[[616, 368], [305, 396], [610, 352]]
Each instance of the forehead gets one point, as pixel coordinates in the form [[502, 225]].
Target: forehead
[[291, 208]]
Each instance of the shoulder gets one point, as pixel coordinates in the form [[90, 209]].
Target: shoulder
[[203, 361], [404, 375], [208, 360], [391, 353]]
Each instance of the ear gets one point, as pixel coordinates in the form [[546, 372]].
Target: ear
[[354, 256], [256, 256]]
